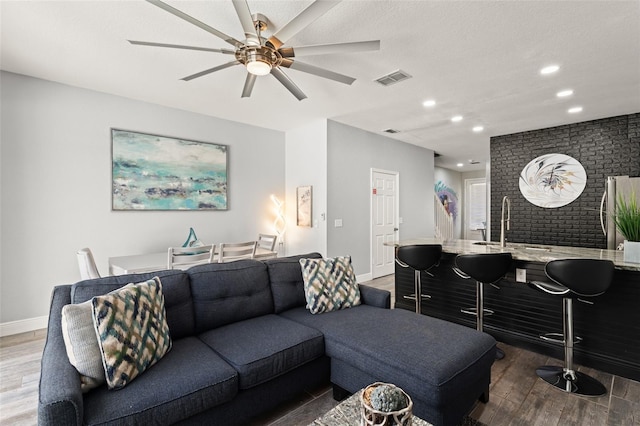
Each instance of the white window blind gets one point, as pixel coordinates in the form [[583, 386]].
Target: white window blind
[[477, 205]]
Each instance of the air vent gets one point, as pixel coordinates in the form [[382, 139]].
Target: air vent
[[392, 78], [391, 131]]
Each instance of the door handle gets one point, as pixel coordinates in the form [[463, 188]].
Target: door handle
[[396, 229], [602, 202]]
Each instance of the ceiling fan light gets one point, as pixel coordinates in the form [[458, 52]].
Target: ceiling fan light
[[258, 67]]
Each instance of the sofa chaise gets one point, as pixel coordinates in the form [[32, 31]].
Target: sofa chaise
[[243, 343]]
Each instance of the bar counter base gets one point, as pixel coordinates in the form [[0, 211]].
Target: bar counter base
[[610, 328]]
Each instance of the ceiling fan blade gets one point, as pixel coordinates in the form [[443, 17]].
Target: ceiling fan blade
[[242, 9], [195, 22], [286, 82], [320, 72], [305, 18], [248, 85], [180, 46], [323, 49], [210, 70]]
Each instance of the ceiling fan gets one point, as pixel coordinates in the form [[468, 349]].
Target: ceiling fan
[[262, 56]]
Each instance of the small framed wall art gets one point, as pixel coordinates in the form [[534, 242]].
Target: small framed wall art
[[151, 172], [304, 201]]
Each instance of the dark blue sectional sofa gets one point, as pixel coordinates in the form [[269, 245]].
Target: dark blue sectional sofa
[[243, 342]]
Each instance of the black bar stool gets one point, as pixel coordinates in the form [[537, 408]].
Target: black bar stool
[[419, 257], [573, 278], [486, 268]]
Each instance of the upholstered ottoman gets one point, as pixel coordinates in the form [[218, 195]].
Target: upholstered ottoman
[[444, 367]]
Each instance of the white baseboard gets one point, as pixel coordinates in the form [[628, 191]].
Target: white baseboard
[[364, 277], [23, 326]]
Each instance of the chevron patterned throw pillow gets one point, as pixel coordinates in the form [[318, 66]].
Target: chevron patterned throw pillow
[[132, 330], [329, 284]]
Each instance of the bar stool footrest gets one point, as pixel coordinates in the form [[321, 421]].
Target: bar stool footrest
[[474, 311], [413, 296], [558, 338]]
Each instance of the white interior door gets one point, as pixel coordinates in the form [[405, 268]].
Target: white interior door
[[384, 221], [475, 209]]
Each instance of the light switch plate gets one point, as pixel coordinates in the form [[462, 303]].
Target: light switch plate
[[338, 223], [521, 275]]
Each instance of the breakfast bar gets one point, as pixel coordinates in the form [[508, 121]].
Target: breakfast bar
[[609, 328]]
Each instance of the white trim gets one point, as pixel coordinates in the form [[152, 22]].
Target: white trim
[[23, 326], [364, 278]]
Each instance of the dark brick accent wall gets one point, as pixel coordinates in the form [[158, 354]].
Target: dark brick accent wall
[[606, 147]]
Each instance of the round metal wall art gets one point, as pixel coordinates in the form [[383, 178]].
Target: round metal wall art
[[552, 180]]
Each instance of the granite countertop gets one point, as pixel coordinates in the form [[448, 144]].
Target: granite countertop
[[523, 251]]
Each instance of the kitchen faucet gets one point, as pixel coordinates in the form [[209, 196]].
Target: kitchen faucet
[[505, 199]]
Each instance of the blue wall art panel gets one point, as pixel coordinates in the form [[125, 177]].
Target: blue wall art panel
[[448, 198], [153, 172]]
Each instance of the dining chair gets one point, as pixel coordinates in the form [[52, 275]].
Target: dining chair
[[229, 252], [87, 264], [186, 257], [267, 242]]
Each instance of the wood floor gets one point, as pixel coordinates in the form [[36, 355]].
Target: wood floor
[[517, 397]]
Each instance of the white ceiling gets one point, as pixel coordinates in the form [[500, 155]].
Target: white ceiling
[[479, 59]]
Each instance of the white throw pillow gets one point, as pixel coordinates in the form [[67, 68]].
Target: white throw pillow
[[82, 345]]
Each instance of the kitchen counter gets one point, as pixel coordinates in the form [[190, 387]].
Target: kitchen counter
[[523, 251]]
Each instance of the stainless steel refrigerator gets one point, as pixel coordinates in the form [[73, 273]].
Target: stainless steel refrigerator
[[616, 186]]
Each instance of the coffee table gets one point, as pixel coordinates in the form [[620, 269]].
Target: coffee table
[[347, 413]]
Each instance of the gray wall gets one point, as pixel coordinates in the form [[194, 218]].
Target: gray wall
[[306, 164], [55, 153], [605, 147], [351, 154]]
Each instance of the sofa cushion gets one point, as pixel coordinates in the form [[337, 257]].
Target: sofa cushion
[[224, 293], [81, 344], [190, 379], [175, 286], [266, 347], [329, 284], [287, 285], [451, 354], [132, 330]]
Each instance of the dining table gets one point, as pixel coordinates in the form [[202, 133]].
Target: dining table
[[151, 262]]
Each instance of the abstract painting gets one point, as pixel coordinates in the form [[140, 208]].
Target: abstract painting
[[552, 180], [448, 198], [304, 201], [151, 172]]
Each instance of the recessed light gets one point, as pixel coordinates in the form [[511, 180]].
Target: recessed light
[[564, 93], [459, 164], [549, 69], [574, 110], [429, 103], [478, 129], [456, 118]]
